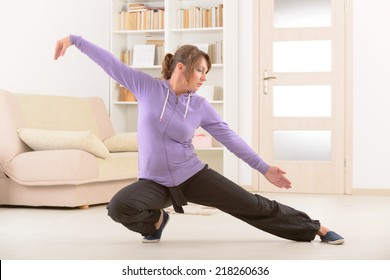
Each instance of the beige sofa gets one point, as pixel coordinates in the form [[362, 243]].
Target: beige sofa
[[61, 151]]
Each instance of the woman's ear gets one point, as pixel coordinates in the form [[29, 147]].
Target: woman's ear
[[180, 66]]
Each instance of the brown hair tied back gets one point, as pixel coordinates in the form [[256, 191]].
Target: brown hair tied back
[[167, 68], [189, 56]]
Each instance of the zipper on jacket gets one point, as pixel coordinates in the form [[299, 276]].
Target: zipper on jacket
[[165, 132]]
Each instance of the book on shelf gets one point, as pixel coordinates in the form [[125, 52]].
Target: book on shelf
[[214, 50], [126, 95], [158, 41], [136, 7], [126, 57], [199, 17], [220, 16], [141, 17]]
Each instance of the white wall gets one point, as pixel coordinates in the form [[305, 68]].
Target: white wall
[[371, 96], [28, 33], [29, 30]]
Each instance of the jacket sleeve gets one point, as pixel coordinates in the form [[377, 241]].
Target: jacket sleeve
[[220, 130], [136, 81]]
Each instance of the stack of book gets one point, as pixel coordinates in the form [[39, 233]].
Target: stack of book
[[215, 51], [138, 16], [198, 17]]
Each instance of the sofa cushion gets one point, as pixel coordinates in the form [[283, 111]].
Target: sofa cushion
[[40, 139], [118, 166], [60, 167], [122, 142]]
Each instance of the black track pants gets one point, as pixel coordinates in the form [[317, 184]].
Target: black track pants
[[138, 205]]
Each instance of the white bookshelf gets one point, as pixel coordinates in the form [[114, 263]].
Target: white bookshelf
[[223, 75]]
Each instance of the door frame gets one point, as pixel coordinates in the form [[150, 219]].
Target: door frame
[[348, 89]]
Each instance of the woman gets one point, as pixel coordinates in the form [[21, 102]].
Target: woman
[[170, 173]]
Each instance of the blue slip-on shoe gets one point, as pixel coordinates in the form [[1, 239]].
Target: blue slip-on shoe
[[156, 236], [332, 238]]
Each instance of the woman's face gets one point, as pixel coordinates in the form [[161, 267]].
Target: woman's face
[[198, 76]]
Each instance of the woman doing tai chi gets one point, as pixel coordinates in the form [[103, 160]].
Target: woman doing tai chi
[[170, 172]]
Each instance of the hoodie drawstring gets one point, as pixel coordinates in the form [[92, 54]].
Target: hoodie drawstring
[[165, 105], [188, 105]]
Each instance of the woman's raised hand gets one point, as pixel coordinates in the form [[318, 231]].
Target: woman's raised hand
[[61, 47]]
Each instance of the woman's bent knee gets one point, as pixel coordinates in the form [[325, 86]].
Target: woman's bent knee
[[122, 212]]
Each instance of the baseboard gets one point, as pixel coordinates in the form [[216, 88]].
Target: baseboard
[[249, 188], [363, 191], [355, 191]]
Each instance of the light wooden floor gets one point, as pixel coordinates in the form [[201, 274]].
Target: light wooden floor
[[202, 234]]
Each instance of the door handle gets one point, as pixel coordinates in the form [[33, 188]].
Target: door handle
[[265, 79]]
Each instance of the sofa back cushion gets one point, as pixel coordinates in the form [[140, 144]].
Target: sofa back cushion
[[49, 112], [57, 113]]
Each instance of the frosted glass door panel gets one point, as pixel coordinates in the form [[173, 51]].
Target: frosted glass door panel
[[302, 13], [302, 145], [302, 101], [302, 56]]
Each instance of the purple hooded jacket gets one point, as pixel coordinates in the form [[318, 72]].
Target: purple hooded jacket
[[167, 123]]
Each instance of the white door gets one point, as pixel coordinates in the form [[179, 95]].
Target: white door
[[300, 93]]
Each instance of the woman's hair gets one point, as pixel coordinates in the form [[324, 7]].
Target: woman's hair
[[189, 56]]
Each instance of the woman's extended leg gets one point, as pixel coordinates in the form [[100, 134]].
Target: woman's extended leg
[[212, 189]]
